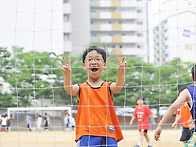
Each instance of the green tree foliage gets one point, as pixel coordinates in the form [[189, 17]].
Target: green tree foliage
[[37, 76]]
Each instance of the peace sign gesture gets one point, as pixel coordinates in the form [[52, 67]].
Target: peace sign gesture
[[67, 65], [120, 80], [122, 65]]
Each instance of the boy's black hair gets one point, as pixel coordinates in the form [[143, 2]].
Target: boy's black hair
[[98, 50], [140, 98], [193, 72]]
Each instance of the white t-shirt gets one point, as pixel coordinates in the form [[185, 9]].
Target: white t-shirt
[[39, 121], [73, 123], [4, 121]]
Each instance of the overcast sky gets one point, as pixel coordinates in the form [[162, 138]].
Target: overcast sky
[[32, 24], [38, 24]]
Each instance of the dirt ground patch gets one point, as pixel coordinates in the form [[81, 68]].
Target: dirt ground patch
[[169, 138]]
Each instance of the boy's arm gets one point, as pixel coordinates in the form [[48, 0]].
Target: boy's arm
[[121, 68], [154, 122], [184, 96], [68, 86], [132, 120]]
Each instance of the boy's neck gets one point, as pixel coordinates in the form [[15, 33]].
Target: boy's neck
[[140, 106], [95, 83]]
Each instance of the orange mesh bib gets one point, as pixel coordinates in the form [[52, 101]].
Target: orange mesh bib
[[96, 115]]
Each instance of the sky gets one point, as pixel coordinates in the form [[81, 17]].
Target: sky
[[32, 24], [38, 24]]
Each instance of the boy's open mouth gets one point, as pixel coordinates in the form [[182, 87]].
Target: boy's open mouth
[[94, 69]]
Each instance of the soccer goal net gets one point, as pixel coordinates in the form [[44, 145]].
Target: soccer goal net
[[157, 38], [53, 116]]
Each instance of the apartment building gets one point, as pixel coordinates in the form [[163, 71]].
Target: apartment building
[[120, 26], [174, 32], [175, 37]]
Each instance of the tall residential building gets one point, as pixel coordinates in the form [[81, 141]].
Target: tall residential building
[[77, 26], [175, 37], [174, 32], [120, 26], [67, 26]]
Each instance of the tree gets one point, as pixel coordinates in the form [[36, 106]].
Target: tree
[[37, 76], [5, 65]]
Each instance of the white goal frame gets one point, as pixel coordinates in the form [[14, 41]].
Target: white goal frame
[[37, 109]]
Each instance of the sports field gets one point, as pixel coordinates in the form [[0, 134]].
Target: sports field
[[169, 138]]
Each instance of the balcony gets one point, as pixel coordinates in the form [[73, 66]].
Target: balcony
[[113, 15], [67, 46], [67, 8], [114, 27], [67, 27], [134, 52], [116, 39], [116, 3]]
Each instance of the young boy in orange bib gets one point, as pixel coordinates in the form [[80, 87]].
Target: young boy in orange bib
[[96, 123]]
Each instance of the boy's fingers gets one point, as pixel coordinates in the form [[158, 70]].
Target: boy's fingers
[[123, 59], [64, 60], [69, 60], [125, 64]]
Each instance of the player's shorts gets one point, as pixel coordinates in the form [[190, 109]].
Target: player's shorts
[[186, 134], [145, 131], [98, 141], [192, 141]]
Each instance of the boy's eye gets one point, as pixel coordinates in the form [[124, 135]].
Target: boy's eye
[[95, 60], [89, 60]]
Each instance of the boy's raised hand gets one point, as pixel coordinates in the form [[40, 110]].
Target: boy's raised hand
[[67, 65], [122, 65]]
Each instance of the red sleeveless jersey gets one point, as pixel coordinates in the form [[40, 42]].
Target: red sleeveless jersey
[[96, 115]]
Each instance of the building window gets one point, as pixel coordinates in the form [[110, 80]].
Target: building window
[[139, 22], [139, 34]]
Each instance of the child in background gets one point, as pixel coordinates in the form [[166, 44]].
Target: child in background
[[187, 95], [4, 123], [187, 123], [177, 113], [142, 113], [67, 122], [39, 123], [73, 123], [9, 121]]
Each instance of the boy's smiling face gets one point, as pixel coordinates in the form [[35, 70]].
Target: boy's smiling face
[[94, 64], [140, 102]]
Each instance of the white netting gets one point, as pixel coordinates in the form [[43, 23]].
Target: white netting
[[35, 34]]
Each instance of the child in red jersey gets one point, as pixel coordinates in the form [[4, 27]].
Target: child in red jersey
[[96, 123], [142, 113]]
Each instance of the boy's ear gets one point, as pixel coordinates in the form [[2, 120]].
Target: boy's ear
[[105, 65], [84, 66]]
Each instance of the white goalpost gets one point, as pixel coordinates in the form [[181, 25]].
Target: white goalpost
[[68, 109], [55, 117]]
